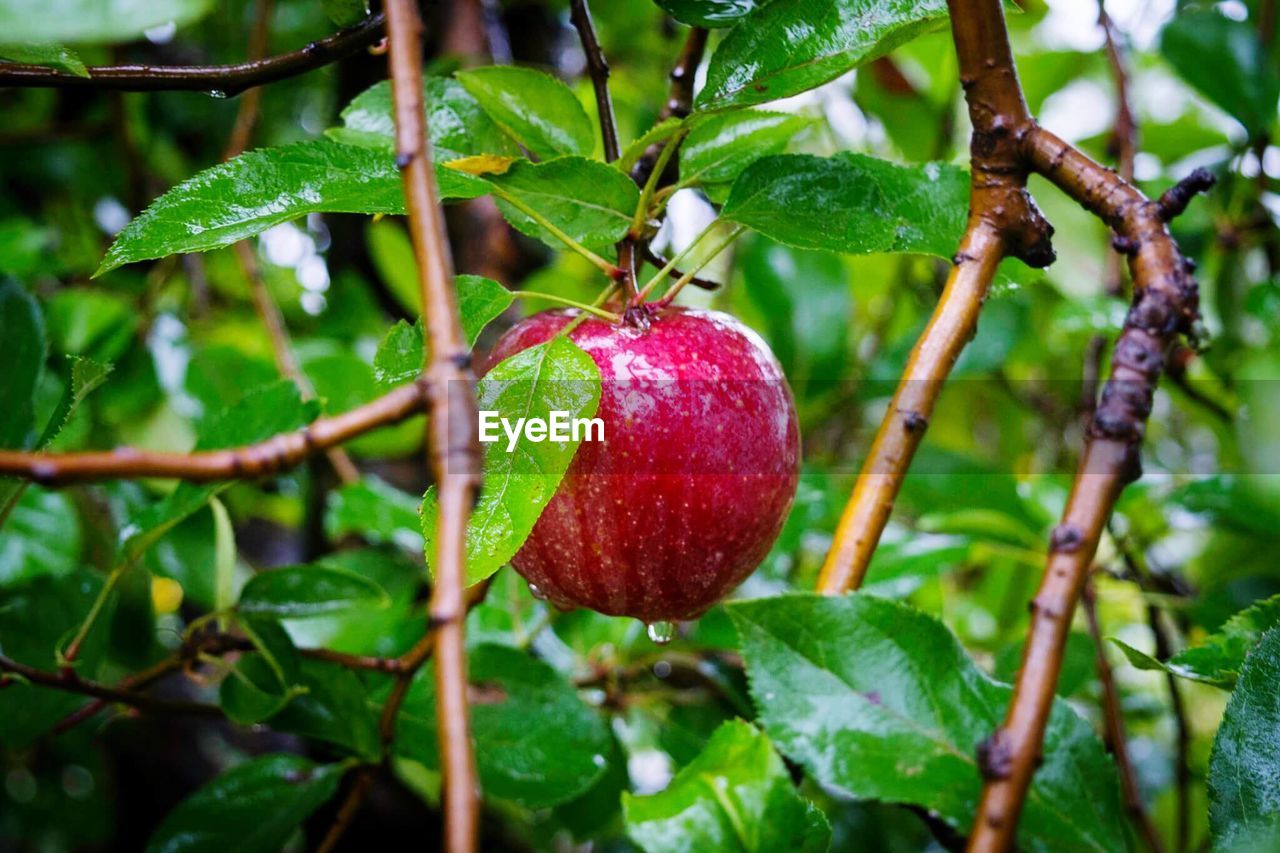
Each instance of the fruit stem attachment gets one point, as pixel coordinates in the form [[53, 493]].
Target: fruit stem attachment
[[572, 303]]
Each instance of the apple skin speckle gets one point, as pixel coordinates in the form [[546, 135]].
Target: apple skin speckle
[[689, 489]]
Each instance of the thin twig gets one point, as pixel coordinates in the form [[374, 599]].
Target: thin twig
[[452, 441], [225, 80], [67, 681], [580, 16], [1113, 717], [1165, 306], [249, 110], [1003, 221], [240, 463], [660, 262], [1182, 754]]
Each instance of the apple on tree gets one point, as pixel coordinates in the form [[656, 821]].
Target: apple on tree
[[694, 478]]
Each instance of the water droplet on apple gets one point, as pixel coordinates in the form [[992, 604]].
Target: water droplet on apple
[[661, 632], [537, 593]]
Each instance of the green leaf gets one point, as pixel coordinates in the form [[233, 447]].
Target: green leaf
[[555, 376], [536, 109], [1241, 79], [721, 146], [1219, 657], [1244, 799], [262, 683], [736, 795], [41, 537], [537, 743], [591, 202], [455, 120], [377, 511], [852, 203], [34, 618], [253, 807], [344, 13], [782, 49], [400, 355], [318, 589], [22, 330], [709, 13], [92, 21], [879, 701], [55, 56], [247, 195], [334, 708]]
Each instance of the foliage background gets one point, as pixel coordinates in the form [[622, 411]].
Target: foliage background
[[588, 708]]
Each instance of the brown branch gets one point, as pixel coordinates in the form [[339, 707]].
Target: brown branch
[[885, 467], [241, 463], [452, 442], [1182, 760], [1165, 306], [227, 80], [248, 111], [580, 16], [1003, 220], [1113, 718], [66, 680]]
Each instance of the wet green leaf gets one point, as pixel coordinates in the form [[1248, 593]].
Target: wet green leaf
[[377, 511], [721, 146], [40, 537], [709, 13], [852, 203], [1219, 657], [536, 109], [879, 701], [455, 120], [782, 49], [316, 589], [736, 795], [1244, 797], [589, 201], [22, 331], [55, 56], [518, 483], [400, 355], [253, 807], [247, 195]]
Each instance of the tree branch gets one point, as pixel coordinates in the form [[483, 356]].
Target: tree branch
[[1123, 142], [1165, 306], [580, 15], [452, 443], [66, 680], [240, 463], [228, 80], [1003, 220]]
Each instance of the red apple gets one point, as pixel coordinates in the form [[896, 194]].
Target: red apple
[[698, 467]]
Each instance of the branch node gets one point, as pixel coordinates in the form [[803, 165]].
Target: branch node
[[1066, 538], [995, 756], [1124, 245], [914, 422], [1177, 197]]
